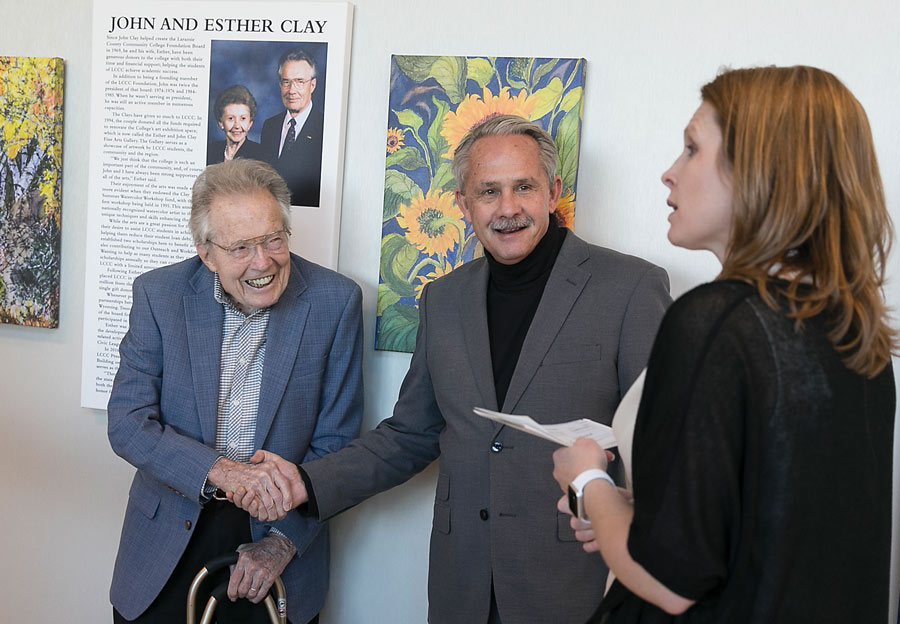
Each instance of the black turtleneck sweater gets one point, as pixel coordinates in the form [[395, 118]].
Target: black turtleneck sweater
[[514, 292]]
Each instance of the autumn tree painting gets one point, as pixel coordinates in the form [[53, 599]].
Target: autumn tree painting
[[31, 100]]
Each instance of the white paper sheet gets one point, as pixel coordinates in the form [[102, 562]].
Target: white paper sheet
[[562, 433]]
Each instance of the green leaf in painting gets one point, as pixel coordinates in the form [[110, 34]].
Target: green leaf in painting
[[397, 328], [397, 259], [519, 67], [450, 73], [416, 67], [400, 183], [391, 206], [543, 69], [571, 99], [436, 142], [547, 98], [398, 188], [515, 83], [567, 144], [443, 178], [409, 118], [386, 297], [407, 158], [480, 70]]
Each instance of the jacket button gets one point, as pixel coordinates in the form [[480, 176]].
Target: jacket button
[[484, 514], [497, 446], [187, 525]]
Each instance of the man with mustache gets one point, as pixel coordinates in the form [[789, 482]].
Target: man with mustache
[[544, 324]]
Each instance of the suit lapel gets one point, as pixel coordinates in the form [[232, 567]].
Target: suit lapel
[[203, 319], [472, 301], [567, 280], [287, 320]]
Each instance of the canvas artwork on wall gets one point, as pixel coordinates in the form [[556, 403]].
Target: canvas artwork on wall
[[31, 102], [434, 101]]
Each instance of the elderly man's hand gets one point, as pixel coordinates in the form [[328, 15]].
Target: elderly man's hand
[[258, 565], [263, 479], [252, 503]]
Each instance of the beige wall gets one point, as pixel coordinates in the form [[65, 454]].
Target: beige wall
[[63, 490]]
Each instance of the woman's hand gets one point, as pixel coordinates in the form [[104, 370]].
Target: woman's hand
[[571, 461]]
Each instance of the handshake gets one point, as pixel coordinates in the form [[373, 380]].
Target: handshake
[[266, 488]]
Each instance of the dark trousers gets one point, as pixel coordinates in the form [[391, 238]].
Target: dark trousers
[[220, 529]]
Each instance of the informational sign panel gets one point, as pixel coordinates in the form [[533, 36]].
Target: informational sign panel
[[167, 79]]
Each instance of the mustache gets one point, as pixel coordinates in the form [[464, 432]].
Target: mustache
[[509, 224]]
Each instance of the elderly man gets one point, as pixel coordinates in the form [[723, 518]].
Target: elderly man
[[545, 325], [242, 347], [292, 140]]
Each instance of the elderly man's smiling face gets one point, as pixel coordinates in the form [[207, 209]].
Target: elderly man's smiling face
[[256, 281]]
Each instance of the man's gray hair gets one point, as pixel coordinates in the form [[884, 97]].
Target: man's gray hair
[[232, 177], [505, 125], [297, 54]]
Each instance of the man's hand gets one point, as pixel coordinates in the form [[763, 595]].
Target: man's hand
[[266, 482], [258, 565], [252, 503], [584, 532]]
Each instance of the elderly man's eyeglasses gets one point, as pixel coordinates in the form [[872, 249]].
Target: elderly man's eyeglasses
[[300, 83], [274, 242]]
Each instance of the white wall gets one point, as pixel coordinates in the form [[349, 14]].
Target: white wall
[[64, 491]]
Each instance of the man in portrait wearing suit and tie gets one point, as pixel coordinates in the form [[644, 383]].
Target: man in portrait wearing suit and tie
[[545, 325], [292, 139], [245, 346]]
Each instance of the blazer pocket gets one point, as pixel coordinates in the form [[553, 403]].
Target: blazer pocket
[[144, 499], [567, 354], [564, 531], [441, 522], [442, 492], [310, 369]]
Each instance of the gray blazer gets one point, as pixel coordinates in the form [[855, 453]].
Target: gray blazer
[[162, 415], [495, 511]]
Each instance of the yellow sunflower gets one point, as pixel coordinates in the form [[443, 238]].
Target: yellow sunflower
[[433, 222], [432, 275], [394, 139], [474, 109], [565, 209]]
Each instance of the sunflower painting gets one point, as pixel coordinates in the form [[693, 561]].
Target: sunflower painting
[[434, 101], [31, 101]]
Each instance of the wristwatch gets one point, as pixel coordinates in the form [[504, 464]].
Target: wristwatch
[[576, 490]]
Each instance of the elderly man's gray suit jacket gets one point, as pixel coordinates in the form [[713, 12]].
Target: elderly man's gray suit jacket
[[495, 511]]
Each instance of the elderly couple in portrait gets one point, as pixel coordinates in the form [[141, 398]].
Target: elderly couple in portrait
[[759, 471], [291, 139]]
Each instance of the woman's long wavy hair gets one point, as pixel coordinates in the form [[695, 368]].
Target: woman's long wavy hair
[[808, 203]]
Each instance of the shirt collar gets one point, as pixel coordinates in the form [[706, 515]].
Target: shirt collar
[[225, 299], [300, 119]]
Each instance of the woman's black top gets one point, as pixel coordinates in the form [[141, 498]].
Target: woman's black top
[[762, 470]]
